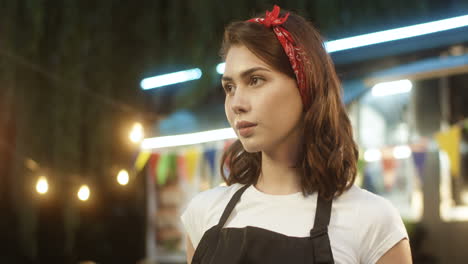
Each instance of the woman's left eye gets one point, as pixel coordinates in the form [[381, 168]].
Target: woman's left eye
[[255, 80]]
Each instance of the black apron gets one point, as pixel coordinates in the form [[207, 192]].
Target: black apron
[[256, 245]]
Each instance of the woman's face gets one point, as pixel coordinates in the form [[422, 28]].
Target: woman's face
[[258, 94]]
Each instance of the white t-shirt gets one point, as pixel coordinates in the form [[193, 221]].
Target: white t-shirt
[[363, 226]]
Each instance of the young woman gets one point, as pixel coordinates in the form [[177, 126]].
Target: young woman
[[290, 194]]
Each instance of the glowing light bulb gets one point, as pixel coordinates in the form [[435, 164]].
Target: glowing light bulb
[[42, 186], [122, 177], [372, 155], [402, 152], [136, 135], [83, 193]]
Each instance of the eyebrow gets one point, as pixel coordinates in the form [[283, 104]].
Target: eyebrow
[[245, 73]]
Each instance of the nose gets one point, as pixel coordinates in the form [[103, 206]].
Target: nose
[[239, 102]]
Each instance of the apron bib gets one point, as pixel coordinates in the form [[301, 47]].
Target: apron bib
[[255, 245]]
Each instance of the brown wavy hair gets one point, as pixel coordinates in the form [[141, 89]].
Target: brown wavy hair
[[329, 155]]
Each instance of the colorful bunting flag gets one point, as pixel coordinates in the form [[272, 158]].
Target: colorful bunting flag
[[210, 157], [419, 159], [388, 164], [449, 141], [141, 160], [181, 168], [192, 157], [163, 169], [172, 166], [153, 164]]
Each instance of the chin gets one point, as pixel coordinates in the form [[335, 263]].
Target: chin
[[251, 148]]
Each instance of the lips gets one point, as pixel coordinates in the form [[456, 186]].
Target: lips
[[244, 124], [245, 128]]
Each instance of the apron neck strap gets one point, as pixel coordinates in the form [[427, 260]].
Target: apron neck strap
[[230, 206], [323, 212], [319, 234]]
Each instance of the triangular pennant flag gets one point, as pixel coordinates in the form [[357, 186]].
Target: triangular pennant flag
[[388, 164], [163, 169], [449, 141], [153, 164], [218, 179], [181, 168], [172, 166], [419, 159], [192, 157], [141, 160], [210, 156]]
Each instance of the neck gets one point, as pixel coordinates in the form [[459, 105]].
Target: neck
[[278, 175]]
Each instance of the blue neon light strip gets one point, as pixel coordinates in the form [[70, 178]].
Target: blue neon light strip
[[170, 78], [396, 34]]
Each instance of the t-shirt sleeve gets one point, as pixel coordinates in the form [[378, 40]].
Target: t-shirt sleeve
[[193, 220], [384, 230]]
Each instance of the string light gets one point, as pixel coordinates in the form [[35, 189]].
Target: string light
[[83, 193], [122, 177], [136, 135], [402, 152], [371, 155], [42, 186]]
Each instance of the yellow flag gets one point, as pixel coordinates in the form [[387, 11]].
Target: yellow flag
[[449, 141], [141, 160], [192, 157]]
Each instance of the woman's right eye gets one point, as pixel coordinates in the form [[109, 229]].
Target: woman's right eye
[[228, 88]]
